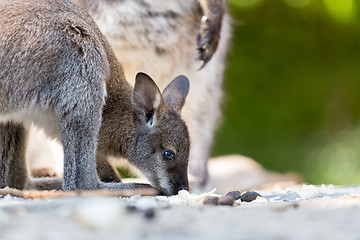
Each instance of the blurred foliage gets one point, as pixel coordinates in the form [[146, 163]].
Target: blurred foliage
[[293, 87], [125, 172]]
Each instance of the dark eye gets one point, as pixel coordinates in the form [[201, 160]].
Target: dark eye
[[168, 155]]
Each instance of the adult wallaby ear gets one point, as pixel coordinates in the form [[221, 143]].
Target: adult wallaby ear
[[175, 93], [147, 99]]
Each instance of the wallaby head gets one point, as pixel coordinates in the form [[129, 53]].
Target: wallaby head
[[161, 146], [149, 132]]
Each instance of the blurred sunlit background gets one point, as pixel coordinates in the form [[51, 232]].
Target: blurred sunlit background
[[293, 88]]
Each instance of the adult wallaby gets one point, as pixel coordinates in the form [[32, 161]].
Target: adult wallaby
[[58, 72], [160, 37]]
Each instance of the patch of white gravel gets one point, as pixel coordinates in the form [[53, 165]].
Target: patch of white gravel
[[298, 212]]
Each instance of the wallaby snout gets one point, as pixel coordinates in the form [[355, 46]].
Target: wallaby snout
[[176, 188], [174, 191]]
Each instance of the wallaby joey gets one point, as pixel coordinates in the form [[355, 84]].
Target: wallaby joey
[[59, 73], [164, 38]]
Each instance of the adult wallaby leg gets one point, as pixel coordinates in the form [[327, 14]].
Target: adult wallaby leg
[[13, 170], [202, 113]]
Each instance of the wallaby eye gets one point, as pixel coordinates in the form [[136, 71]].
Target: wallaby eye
[[168, 155]]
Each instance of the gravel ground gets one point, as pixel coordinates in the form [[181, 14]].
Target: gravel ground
[[297, 212]]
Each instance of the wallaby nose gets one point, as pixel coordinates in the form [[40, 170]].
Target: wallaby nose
[[184, 188], [176, 190]]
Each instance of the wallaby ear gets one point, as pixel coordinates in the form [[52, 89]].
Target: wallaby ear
[[147, 99], [175, 93]]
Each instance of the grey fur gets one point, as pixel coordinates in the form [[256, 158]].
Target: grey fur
[[59, 73], [12, 153]]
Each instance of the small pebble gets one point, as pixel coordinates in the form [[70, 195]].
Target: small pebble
[[226, 200], [211, 201], [131, 208], [149, 213], [249, 196], [234, 194]]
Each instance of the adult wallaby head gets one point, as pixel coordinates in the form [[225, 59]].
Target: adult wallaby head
[[58, 72]]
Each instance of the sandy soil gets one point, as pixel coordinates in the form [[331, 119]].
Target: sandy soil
[[297, 212]]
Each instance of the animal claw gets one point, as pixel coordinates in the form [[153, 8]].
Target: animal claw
[[202, 65]]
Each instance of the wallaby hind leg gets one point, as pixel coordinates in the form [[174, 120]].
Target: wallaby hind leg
[[13, 170]]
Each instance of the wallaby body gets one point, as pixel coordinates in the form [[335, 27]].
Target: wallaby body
[[59, 73], [160, 37]]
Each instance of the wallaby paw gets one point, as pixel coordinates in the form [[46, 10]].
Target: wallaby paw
[[45, 183], [208, 39]]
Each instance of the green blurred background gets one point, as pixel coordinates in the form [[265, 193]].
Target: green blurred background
[[293, 88]]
